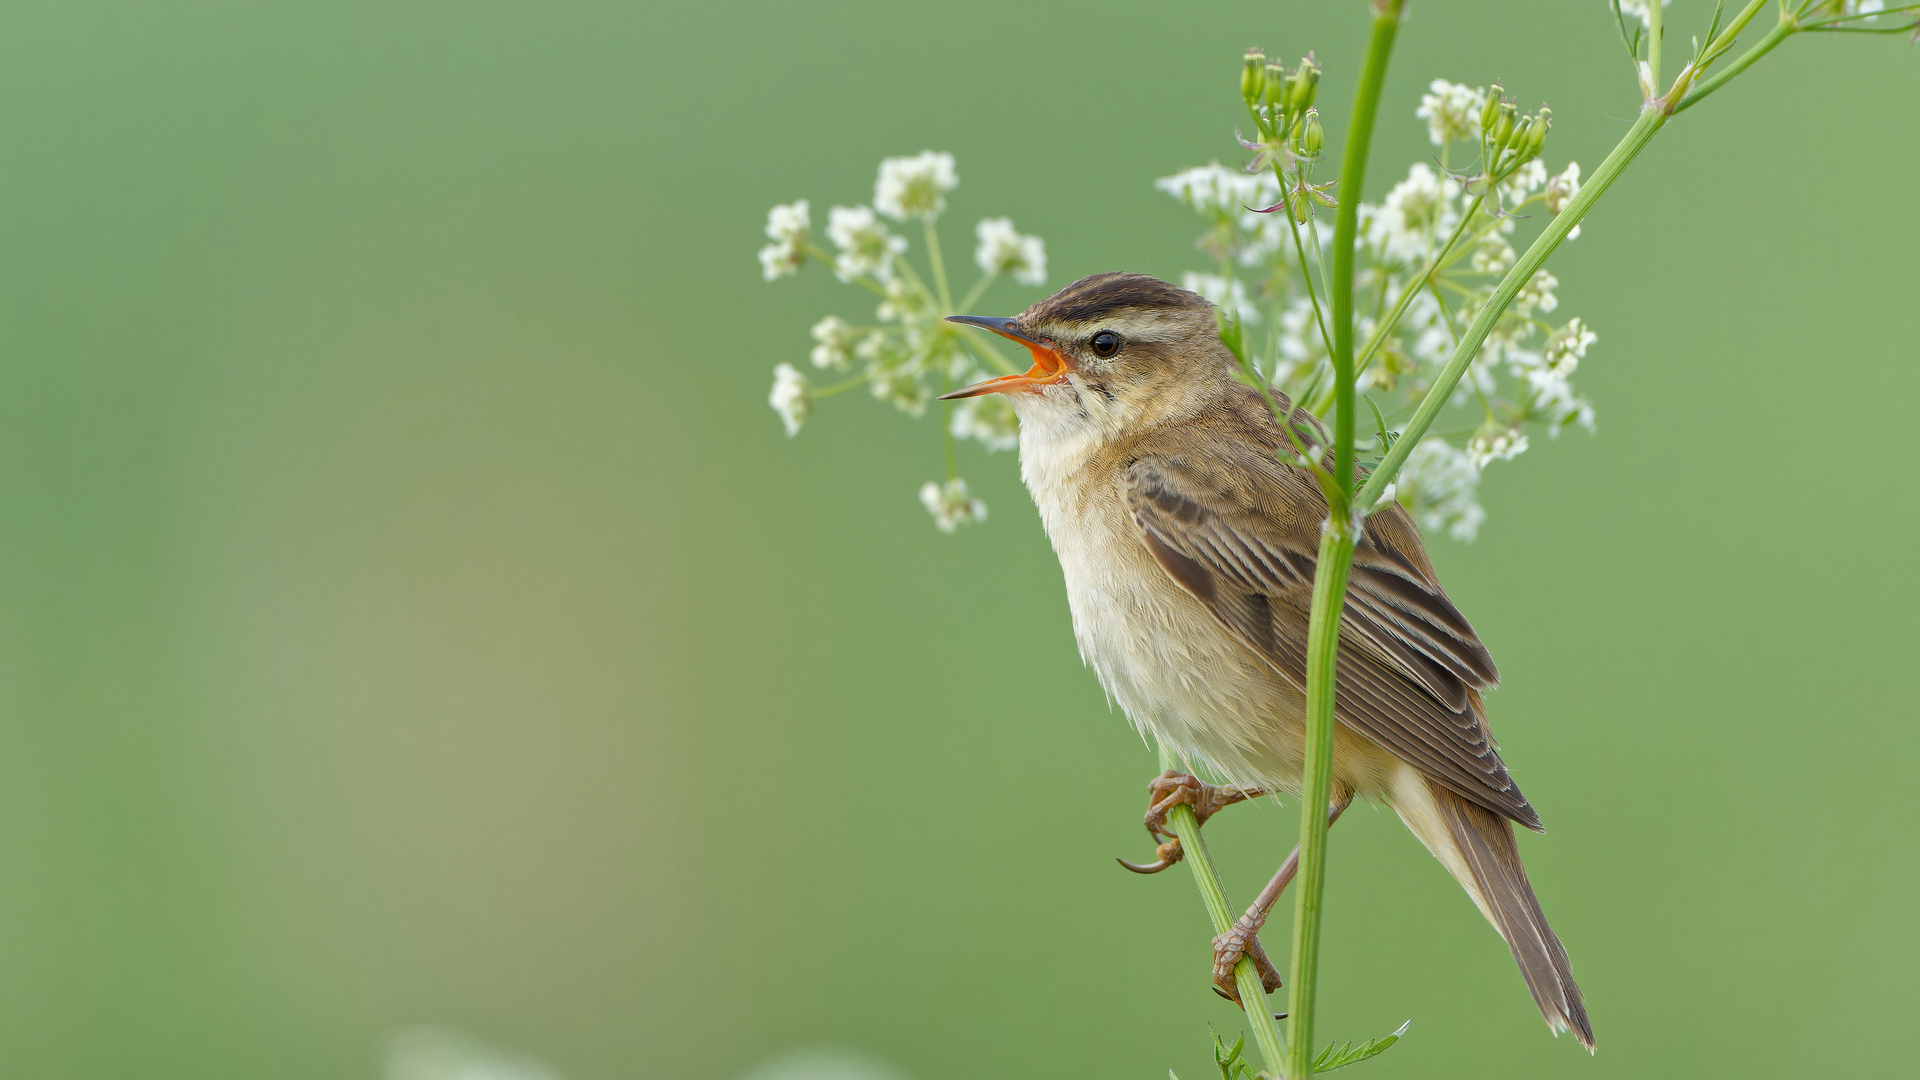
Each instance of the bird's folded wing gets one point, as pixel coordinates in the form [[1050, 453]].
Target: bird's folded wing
[[1410, 667]]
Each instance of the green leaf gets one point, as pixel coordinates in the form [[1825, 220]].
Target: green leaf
[[1231, 335], [1336, 1058]]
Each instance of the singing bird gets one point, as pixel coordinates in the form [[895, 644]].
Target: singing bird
[[1188, 547]]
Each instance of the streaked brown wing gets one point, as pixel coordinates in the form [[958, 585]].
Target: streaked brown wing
[[1410, 667]]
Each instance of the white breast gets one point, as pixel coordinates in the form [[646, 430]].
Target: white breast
[[1173, 669]]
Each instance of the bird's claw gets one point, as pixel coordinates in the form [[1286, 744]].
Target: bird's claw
[[1242, 940], [1167, 854], [1171, 789]]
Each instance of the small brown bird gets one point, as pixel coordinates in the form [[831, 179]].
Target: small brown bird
[[1189, 550]]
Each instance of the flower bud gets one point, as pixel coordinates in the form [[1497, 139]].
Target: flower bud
[[1276, 89], [1522, 135], [1491, 110], [1302, 86], [1312, 135], [1502, 130], [1253, 77], [1537, 138]]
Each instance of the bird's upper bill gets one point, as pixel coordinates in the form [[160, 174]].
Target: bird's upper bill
[[1049, 366]]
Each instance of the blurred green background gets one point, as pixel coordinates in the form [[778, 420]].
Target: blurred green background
[[410, 611]]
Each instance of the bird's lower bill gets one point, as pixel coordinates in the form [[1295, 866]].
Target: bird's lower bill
[[1049, 367]]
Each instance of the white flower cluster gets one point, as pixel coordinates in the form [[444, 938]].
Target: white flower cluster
[[1004, 250], [790, 397], [915, 187], [1522, 377], [1452, 111], [787, 227], [1639, 9], [951, 504], [909, 352]]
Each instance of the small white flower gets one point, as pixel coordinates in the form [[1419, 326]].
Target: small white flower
[[951, 504], [1413, 216], [1865, 7], [1439, 486], [988, 418], [1300, 339], [1495, 444], [1560, 191], [1492, 255], [866, 247], [1525, 180], [1452, 111], [835, 346], [1567, 346], [787, 227], [790, 397], [1228, 294], [1004, 250], [1537, 294], [915, 187], [1216, 189], [1639, 9]]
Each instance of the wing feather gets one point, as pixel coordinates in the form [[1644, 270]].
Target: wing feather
[[1410, 669]]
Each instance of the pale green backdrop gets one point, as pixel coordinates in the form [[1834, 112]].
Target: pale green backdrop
[[410, 611]]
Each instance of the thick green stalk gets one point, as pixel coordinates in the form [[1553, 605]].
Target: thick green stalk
[[1323, 646], [1336, 556], [1246, 977], [1651, 120], [1346, 225]]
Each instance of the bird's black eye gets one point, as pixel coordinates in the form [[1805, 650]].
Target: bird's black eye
[[1105, 343]]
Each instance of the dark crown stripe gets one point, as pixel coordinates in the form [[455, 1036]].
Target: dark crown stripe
[[1103, 294]]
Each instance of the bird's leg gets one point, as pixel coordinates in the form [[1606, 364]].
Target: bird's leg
[[1170, 789], [1243, 938]]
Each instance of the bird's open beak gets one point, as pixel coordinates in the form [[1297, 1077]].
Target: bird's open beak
[[1048, 365]]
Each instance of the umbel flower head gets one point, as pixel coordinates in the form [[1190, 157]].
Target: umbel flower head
[[1002, 250], [951, 504], [790, 398], [867, 249], [915, 187], [908, 353], [787, 227]]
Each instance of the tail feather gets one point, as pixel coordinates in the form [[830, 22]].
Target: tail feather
[[1484, 842]]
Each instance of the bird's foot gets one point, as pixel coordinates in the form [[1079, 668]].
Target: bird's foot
[[1242, 940], [1171, 789]]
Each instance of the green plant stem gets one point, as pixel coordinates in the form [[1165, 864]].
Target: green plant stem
[[1336, 557], [1782, 30], [1644, 129], [939, 265], [1346, 224], [1246, 977], [1323, 645], [1385, 327]]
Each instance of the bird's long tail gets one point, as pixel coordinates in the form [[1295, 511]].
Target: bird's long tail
[[1476, 846]]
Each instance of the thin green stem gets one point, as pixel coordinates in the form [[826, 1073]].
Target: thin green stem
[[1386, 326], [1644, 129], [939, 265], [1784, 29], [1336, 556], [1246, 977], [1306, 277], [840, 387]]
